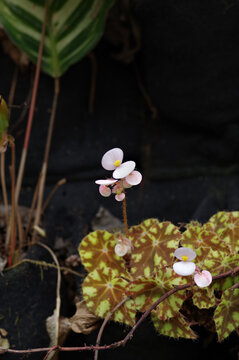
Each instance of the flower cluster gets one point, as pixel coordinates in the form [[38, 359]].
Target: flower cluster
[[124, 176], [186, 267]]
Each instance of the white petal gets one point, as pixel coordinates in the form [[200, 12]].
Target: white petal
[[184, 251], [134, 178], [106, 182], [124, 170], [121, 250], [184, 268], [120, 197], [110, 157], [104, 191], [203, 279]]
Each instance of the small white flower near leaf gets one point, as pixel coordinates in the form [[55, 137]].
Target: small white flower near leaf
[[123, 246], [203, 278], [185, 267]]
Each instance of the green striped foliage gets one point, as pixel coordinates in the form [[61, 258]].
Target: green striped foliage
[[73, 29]]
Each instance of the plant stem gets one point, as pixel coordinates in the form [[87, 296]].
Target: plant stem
[[105, 322], [125, 217], [4, 188], [32, 107], [46, 156], [13, 230]]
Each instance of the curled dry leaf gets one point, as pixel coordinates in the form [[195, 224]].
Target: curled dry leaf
[[83, 321], [64, 329]]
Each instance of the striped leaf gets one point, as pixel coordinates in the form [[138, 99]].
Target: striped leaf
[[153, 244], [73, 28], [226, 315], [97, 251], [102, 291]]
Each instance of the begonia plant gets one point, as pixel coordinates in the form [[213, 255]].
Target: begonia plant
[[157, 267]]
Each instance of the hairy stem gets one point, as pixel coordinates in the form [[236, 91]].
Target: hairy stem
[[125, 217], [105, 322]]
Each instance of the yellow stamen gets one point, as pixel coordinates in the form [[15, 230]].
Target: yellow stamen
[[117, 163], [184, 258]]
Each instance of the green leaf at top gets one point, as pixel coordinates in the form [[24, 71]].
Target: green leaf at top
[[153, 245], [97, 251], [73, 28], [226, 315]]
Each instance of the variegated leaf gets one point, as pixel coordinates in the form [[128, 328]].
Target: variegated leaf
[[226, 225], [226, 315], [195, 238], [102, 291], [225, 283], [217, 264], [175, 327], [203, 298], [97, 251], [73, 28], [148, 290], [153, 244]]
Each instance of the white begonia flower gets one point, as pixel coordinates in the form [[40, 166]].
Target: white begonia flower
[[134, 178], [123, 170], [112, 159], [203, 279], [184, 267]]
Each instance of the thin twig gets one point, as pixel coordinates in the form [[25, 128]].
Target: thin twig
[[32, 107], [33, 205], [13, 229], [44, 264], [46, 156], [58, 289], [52, 193], [4, 188], [105, 322], [12, 90]]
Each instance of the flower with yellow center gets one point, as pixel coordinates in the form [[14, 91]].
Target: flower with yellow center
[[184, 267]]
